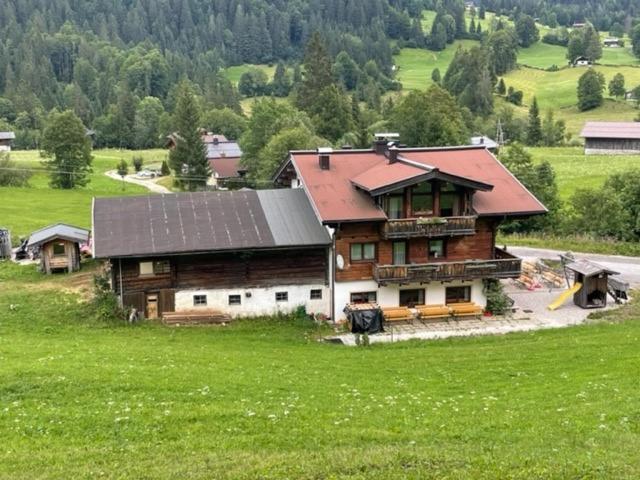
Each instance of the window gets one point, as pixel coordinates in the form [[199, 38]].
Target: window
[[395, 205], [364, 297], [411, 298], [59, 250], [399, 253], [282, 296], [449, 200], [458, 294], [437, 249], [316, 294], [155, 268], [363, 252], [422, 199], [235, 300], [199, 300]]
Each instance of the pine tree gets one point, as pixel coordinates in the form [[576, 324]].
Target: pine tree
[[281, 85], [318, 73], [501, 89], [534, 129], [435, 76], [188, 159]]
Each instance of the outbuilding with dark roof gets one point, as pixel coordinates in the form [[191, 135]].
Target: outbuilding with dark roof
[[611, 138]]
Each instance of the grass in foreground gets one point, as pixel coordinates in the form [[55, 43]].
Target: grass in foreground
[[263, 399], [24, 210]]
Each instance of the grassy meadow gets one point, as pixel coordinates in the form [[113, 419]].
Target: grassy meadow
[[234, 73], [263, 399], [24, 210]]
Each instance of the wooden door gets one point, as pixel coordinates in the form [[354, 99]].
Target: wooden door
[[152, 305]]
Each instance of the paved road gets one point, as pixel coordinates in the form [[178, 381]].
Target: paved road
[[629, 267], [149, 184]]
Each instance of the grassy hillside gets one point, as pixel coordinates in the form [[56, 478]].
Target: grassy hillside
[[24, 210], [576, 170], [263, 399], [234, 73]]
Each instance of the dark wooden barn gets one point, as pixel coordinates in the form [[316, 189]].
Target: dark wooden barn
[[59, 247], [611, 138]]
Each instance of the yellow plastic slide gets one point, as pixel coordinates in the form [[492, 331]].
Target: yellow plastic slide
[[564, 296]]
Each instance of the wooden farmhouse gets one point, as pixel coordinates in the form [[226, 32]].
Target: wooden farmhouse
[[581, 62], [224, 158], [613, 42], [411, 226], [234, 253], [611, 138], [6, 141], [59, 247]]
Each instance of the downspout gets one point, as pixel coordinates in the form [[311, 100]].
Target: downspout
[[120, 282]]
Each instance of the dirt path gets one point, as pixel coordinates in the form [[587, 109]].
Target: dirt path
[[149, 184]]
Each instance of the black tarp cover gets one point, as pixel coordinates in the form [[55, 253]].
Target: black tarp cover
[[365, 321]]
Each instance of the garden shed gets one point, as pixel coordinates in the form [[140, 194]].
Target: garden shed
[[59, 247], [595, 283]]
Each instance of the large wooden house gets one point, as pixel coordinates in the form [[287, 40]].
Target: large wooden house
[[238, 253], [411, 226]]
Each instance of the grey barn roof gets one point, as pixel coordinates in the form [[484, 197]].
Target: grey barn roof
[[621, 130], [204, 222], [223, 149], [589, 269], [59, 230]]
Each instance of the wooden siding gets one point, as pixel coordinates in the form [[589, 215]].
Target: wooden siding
[[612, 144], [70, 261], [470, 247], [228, 270]]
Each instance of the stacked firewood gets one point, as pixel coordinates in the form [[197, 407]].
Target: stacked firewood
[[538, 275]]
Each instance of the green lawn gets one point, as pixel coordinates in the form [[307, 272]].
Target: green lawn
[[576, 170], [264, 399], [234, 73], [24, 210], [619, 56], [542, 55]]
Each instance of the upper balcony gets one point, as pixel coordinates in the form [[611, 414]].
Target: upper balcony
[[428, 227], [504, 265]]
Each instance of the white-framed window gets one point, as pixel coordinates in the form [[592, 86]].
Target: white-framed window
[[199, 300], [282, 296], [235, 300], [315, 294]]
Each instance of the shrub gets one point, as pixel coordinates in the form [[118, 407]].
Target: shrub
[[164, 169], [105, 303], [10, 175], [498, 303], [137, 163]]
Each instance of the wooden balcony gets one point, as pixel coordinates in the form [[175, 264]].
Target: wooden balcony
[[428, 227], [504, 265]]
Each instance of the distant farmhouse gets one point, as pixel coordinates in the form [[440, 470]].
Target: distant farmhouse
[[581, 62], [6, 140], [610, 138], [223, 156], [613, 42]]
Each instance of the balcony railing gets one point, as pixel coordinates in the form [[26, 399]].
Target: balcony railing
[[503, 266], [429, 227]]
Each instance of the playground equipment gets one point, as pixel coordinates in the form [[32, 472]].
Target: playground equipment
[[564, 296]]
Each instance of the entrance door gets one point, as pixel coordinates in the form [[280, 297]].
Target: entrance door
[[152, 305]]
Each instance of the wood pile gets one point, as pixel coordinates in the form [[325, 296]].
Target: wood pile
[[538, 275], [208, 317]]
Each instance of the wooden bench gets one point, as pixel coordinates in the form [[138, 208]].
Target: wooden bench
[[195, 317], [466, 309], [397, 314], [433, 312]]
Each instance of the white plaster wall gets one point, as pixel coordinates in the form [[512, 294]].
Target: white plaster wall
[[261, 302], [388, 296]]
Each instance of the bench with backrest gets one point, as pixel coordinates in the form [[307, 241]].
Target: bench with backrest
[[465, 309], [433, 312], [397, 314]]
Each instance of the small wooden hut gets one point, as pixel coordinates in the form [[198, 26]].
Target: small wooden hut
[[595, 283], [59, 247]]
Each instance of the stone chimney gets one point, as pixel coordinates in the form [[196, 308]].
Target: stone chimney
[[392, 153]]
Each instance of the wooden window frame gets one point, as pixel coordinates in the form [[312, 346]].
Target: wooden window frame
[[423, 213], [64, 249], [200, 300], [388, 204], [466, 298], [362, 249], [315, 294], [232, 299], [444, 248], [419, 302], [368, 293], [406, 252]]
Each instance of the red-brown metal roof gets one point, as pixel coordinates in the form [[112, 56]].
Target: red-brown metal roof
[[225, 167], [630, 130], [336, 199]]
